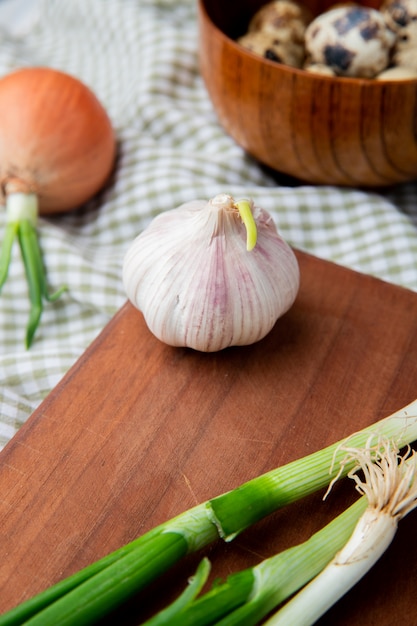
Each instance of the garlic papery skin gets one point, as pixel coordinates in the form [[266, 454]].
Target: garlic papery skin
[[191, 275]]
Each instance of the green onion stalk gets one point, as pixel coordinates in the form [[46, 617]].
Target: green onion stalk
[[388, 483], [21, 224], [248, 596], [90, 594], [323, 568]]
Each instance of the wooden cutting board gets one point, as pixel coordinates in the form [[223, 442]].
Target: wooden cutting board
[[138, 431]]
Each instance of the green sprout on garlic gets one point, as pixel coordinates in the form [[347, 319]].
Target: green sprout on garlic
[[245, 212]]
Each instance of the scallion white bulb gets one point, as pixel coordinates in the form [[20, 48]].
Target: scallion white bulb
[[211, 274]]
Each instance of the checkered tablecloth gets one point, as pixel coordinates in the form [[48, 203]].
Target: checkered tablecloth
[[140, 57]]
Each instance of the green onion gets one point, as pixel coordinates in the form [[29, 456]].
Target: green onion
[[325, 566], [236, 510], [22, 214], [390, 486], [90, 594], [247, 597], [196, 582]]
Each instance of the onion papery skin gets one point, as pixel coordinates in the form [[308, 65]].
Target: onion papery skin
[[56, 139], [197, 286]]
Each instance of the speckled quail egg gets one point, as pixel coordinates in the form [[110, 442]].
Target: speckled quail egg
[[270, 47], [401, 16], [319, 68], [397, 73], [284, 18], [399, 13], [405, 50], [353, 40]]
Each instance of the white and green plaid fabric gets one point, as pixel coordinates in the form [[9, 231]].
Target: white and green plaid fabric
[[140, 57]]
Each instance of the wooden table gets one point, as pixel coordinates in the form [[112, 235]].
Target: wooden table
[[138, 431]]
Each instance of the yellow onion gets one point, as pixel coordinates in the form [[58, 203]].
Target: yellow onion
[[56, 139], [57, 150]]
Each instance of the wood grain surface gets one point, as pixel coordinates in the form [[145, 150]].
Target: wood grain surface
[[138, 431]]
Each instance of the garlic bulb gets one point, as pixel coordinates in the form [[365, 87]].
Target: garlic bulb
[[193, 274]]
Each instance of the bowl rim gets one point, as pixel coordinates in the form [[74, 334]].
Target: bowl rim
[[281, 67]]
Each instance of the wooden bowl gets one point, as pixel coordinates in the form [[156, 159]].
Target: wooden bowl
[[319, 129]]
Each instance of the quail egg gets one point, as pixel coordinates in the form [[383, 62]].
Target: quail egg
[[270, 47], [284, 18], [401, 16], [405, 51], [397, 73], [352, 40], [399, 13], [319, 68]]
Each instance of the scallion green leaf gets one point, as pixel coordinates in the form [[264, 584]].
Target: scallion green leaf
[[88, 595]]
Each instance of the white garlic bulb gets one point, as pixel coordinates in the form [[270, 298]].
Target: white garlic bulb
[[197, 285]]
